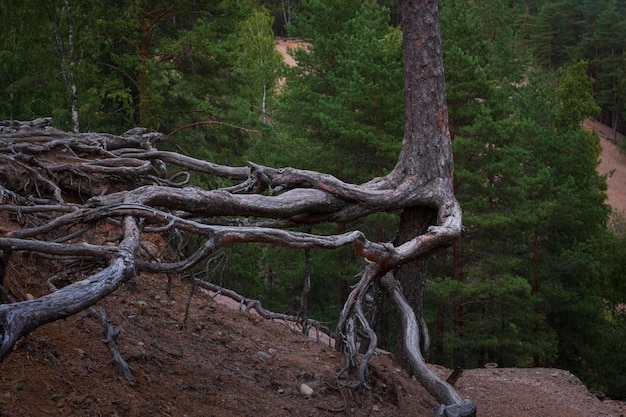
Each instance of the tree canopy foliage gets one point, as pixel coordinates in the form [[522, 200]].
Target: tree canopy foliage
[[565, 31]]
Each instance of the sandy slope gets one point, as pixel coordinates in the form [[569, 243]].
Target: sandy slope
[[613, 163]]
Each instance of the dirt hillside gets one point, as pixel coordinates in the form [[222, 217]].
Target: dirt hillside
[[226, 362], [612, 164]]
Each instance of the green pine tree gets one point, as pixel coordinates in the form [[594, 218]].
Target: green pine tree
[[345, 96]]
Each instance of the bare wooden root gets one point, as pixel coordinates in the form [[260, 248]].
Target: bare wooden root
[[61, 203], [60, 187]]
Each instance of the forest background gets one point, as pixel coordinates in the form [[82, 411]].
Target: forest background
[[538, 277]]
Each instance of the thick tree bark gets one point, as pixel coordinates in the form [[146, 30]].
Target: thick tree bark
[[426, 140]]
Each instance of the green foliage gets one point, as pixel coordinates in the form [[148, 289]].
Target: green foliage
[[556, 33], [594, 319], [196, 85], [493, 176], [565, 31], [605, 45], [495, 321], [258, 60], [29, 86], [534, 212], [576, 94], [345, 95], [173, 68]]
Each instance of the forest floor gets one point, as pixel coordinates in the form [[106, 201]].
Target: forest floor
[[226, 362]]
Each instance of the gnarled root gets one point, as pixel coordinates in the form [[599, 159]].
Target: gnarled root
[[352, 321], [452, 405]]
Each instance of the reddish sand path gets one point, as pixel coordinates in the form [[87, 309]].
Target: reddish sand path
[[283, 46], [613, 163]]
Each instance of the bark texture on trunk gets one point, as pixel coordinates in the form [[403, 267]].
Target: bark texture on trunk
[[425, 170]]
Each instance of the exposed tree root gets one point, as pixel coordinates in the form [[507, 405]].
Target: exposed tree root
[[294, 195], [111, 335], [452, 405], [59, 185], [19, 319]]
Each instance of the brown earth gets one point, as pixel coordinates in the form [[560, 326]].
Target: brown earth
[[231, 363], [228, 362]]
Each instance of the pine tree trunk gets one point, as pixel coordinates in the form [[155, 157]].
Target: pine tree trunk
[[427, 149]]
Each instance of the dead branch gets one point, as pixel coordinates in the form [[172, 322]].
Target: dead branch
[[111, 335]]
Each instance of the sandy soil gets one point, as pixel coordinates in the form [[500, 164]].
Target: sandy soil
[[612, 164], [284, 45]]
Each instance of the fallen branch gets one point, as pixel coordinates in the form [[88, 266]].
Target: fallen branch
[[111, 335], [248, 304]]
